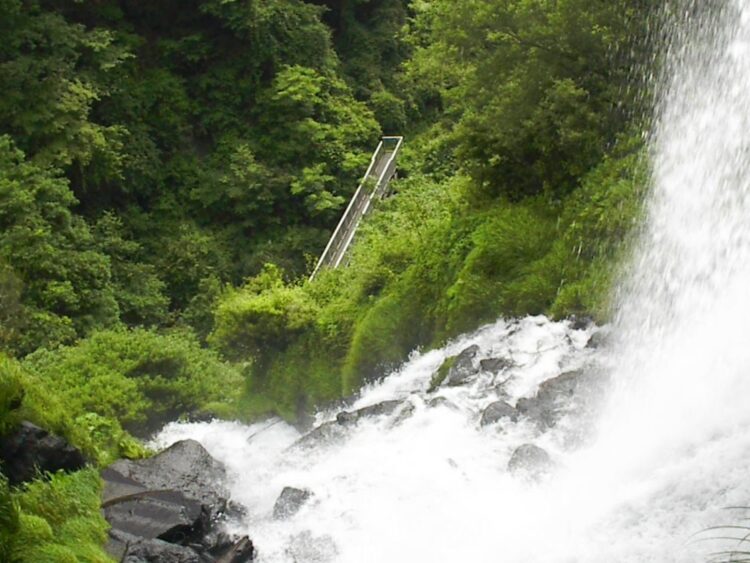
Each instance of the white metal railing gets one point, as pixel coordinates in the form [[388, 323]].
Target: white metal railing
[[382, 168]]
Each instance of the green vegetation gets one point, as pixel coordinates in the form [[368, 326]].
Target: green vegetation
[[518, 198], [170, 171], [441, 374], [53, 521], [140, 378]]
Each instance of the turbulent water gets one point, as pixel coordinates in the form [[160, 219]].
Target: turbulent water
[[643, 480]]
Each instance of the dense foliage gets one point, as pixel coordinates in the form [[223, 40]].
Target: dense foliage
[[170, 171], [523, 179]]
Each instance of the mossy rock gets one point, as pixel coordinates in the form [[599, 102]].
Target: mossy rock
[[441, 374]]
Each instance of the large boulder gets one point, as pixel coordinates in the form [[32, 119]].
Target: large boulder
[[166, 515], [497, 411], [290, 502], [30, 449], [177, 498], [185, 467]]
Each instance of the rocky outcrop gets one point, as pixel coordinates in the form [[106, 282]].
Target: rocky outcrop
[[497, 411], [186, 467], [30, 449], [338, 429], [290, 502], [169, 508]]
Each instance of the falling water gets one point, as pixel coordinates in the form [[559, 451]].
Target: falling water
[[672, 449]]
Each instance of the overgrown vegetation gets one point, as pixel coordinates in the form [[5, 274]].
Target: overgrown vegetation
[[170, 171], [53, 521], [518, 199]]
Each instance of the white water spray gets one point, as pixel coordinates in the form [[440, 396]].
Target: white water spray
[[673, 447]]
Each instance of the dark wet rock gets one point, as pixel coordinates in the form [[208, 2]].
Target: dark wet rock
[[30, 449], [530, 459], [166, 515], [463, 367], [176, 497], [496, 412], [242, 551], [335, 430], [306, 548], [290, 502], [386, 407], [158, 551], [185, 467], [118, 543], [495, 365]]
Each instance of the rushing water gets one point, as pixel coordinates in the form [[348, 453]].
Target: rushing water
[[671, 450]]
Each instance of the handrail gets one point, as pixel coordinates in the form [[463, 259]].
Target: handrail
[[379, 190], [337, 248], [348, 210]]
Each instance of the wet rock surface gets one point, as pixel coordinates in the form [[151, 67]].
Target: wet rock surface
[[186, 467], [170, 508], [463, 367], [29, 450], [386, 407], [338, 429], [290, 502], [495, 365], [158, 551], [497, 411]]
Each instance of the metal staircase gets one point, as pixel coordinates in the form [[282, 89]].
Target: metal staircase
[[373, 187]]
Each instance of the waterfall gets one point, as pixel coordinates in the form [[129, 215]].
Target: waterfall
[[670, 451]]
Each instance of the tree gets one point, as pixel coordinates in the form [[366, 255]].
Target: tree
[[531, 84], [66, 279]]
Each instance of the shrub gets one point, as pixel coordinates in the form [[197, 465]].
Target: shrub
[[139, 377], [262, 318], [25, 396]]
